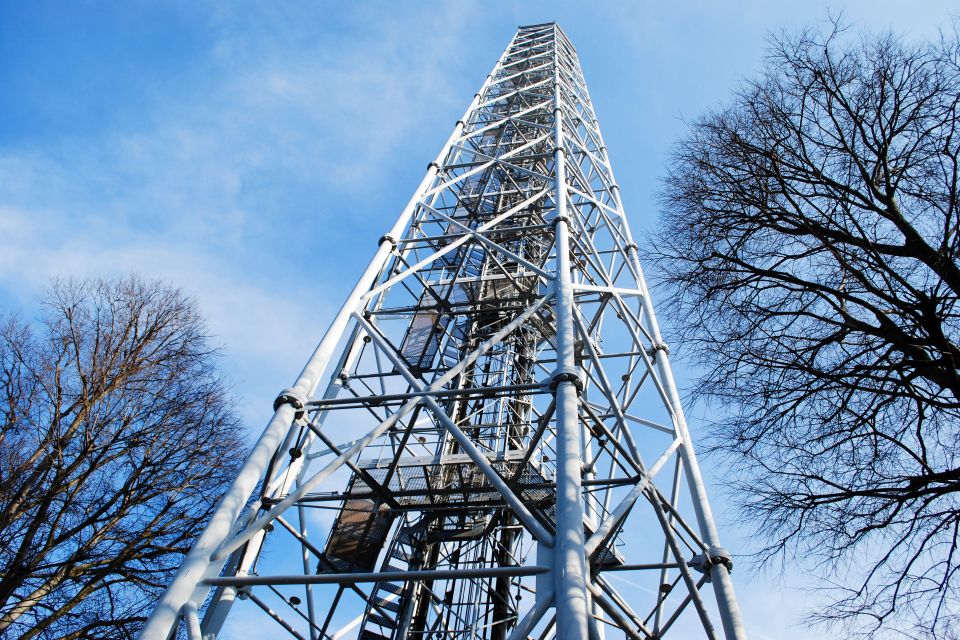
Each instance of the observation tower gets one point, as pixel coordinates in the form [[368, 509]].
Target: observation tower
[[488, 441]]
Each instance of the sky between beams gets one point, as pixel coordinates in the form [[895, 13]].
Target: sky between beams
[[253, 154]]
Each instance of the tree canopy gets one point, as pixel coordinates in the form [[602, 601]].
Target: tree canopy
[[809, 247], [116, 440]]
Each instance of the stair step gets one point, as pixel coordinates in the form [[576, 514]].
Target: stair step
[[370, 635], [389, 605], [391, 567], [405, 536], [402, 555], [379, 620], [395, 589]]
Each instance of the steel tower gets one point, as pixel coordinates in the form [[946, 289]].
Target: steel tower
[[488, 440]]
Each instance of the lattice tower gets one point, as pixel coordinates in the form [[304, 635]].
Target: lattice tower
[[488, 441]]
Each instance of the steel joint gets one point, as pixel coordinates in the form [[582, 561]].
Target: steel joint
[[294, 398]]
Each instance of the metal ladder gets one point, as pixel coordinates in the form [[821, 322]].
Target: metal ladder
[[453, 348], [390, 600]]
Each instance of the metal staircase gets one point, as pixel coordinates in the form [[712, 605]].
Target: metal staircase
[[390, 601]]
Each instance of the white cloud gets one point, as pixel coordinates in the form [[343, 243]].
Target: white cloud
[[263, 155]]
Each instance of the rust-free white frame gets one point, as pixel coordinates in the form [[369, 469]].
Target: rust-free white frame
[[557, 300]]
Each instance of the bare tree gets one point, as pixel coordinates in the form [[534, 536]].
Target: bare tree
[[810, 242], [116, 439]]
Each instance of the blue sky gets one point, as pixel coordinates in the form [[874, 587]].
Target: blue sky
[[253, 153]]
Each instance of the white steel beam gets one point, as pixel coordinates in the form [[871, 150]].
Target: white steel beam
[[495, 378]]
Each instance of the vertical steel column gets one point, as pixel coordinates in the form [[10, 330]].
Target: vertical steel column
[[199, 562], [719, 571], [569, 561], [718, 556]]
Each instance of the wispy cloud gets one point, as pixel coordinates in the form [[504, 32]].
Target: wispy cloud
[[238, 184]]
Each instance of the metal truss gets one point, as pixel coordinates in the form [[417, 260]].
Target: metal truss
[[499, 442]]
